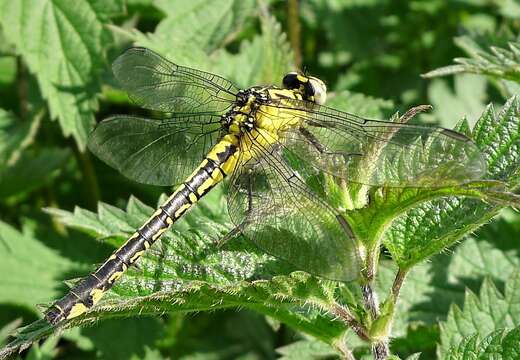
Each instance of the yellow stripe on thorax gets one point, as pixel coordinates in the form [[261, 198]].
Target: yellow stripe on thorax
[[277, 120]]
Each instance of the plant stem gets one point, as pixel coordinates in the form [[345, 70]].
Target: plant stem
[[370, 300], [90, 178], [347, 354], [412, 112], [380, 350], [51, 201], [293, 30], [369, 295], [345, 315], [398, 282], [21, 88]]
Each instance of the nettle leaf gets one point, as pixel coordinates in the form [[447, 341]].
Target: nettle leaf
[[186, 271], [228, 334], [15, 136], [33, 170], [63, 45], [490, 313], [427, 229], [499, 62], [262, 61], [446, 277], [474, 259], [468, 99], [32, 279], [136, 338], [306, 350], [184, 36], [207, 24], [7, 329], [500, 344], [360, 104]]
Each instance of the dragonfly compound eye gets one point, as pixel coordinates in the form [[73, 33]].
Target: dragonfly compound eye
[[291, 81], [318, 90]]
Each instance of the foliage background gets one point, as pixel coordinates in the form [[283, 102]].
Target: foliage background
[[56, 83]]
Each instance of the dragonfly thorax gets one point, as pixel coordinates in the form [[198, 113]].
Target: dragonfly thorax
[[242, 117]]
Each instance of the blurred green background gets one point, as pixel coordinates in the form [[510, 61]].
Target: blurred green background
[[55, 65]]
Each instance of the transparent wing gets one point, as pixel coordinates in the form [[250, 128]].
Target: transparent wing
[[157, 152], [375, 152], [158, 84], [276, 211]]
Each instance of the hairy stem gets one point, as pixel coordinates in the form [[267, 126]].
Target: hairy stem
[[345, 315], [370, 300], [380, 350], [346, 352], [398, 283], [22, 88], [369, 295]]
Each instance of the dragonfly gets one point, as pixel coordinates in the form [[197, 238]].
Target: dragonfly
[[256, 138]]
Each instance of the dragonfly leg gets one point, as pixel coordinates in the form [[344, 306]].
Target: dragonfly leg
[[313, 140], [237, 230]]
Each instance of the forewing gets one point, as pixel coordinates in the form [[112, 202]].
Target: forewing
[[158, 84], [375, 152], [157, 152], [282, 217]]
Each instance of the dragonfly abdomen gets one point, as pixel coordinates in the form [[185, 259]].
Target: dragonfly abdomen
[[218, 163]]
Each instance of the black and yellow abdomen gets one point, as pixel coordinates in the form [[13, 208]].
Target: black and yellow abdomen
[[220, 161]]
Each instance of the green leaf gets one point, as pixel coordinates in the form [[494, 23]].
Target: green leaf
[[497, 62], [223, 335], [31, 271], [263, 60], [490, 311], [414, 356], [433, 226], [108, 9], [467, 99], [445, 278], [7, 70], [192, 31], [135, 338], [8, 329], [33, 170], [500, 344], [360, 104], [206, 24], [306, 350], [15, 136], [47, 350], [63, 46], [187, 272]]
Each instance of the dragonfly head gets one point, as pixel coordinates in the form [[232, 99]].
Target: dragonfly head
[[310, 87]]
